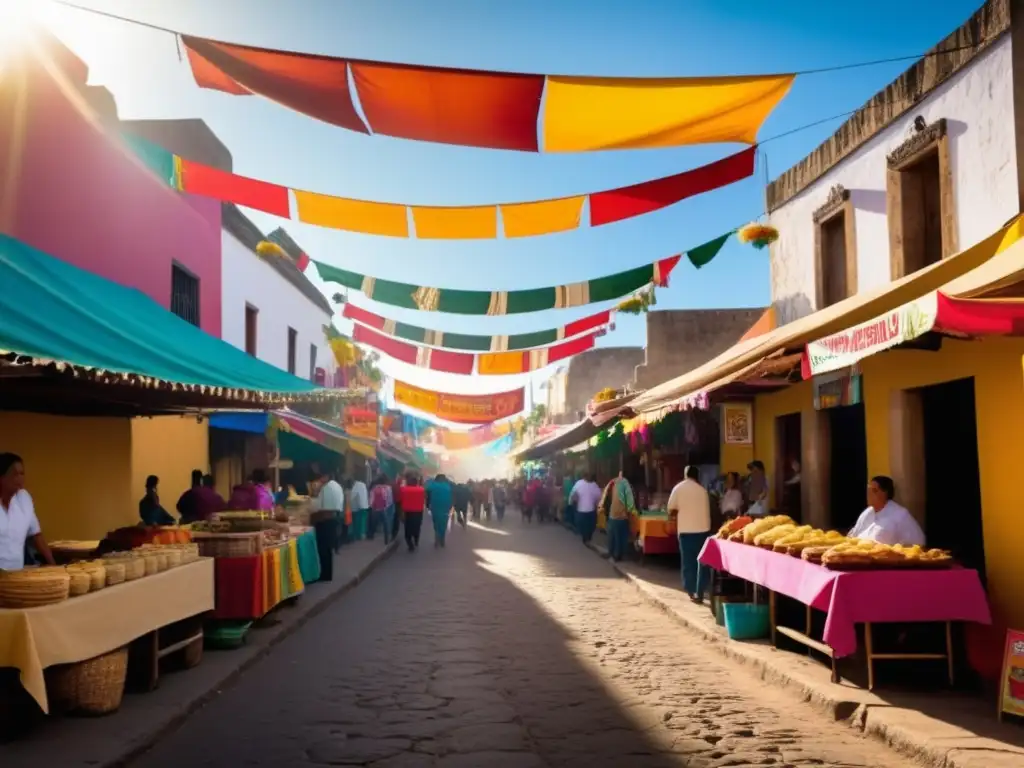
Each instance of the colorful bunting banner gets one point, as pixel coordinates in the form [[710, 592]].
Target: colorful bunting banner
[[463, 363], [460, 441], [599, 322], [495, 110], [462, 302], [519, 219], [464, 409]]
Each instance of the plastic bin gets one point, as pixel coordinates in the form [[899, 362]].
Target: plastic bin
[[746, 621]]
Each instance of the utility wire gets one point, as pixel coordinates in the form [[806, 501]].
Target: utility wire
[[815, 71]]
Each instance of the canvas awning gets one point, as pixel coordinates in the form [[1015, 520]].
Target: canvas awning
[[934, 312], [55, 314], [992, 262], [314, 430], [577, 433]]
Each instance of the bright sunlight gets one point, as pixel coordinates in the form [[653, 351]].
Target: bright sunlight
[[17, 18]]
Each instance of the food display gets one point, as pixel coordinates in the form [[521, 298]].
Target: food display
[[857, 555], [70, 551], [732, 526], [829, 548], [238, 534], [33, 587]]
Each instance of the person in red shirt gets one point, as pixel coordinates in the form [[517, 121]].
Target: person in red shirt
[[413, 498]]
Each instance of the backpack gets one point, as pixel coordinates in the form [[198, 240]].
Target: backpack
[[379, 498]]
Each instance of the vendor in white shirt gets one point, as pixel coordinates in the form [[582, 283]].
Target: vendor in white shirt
[[18, 522], [884, 520]]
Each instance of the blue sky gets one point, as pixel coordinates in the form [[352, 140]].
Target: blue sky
[[590, 37]]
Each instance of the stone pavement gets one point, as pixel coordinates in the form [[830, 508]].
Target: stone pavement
[[109, 741], [511, 648], [951, 730]]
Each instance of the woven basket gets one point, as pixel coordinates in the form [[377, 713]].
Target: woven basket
[[175, 557], [79, 584], [117, 572], [93, 687], [230, 545], [152, 564], [33, 587], [97, 575], [161, 561]]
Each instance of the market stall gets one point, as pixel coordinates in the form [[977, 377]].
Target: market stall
[[258, 563], [852, 581], [57, 616]]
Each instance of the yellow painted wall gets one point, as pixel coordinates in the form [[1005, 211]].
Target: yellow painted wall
[[996, 367], [734, 458], [78, 471], [767, 408], [169, 447]]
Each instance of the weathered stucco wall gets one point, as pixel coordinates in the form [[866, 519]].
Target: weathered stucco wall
[[683, 339], [596, 369], [977, 104]]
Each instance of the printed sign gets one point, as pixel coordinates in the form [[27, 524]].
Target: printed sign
[[843, 349], [1011, 700], [465, 409], [737, 423]]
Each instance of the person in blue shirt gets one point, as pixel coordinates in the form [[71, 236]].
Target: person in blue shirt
[[439, 502]]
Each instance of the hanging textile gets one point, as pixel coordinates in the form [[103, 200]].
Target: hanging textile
[[465, 409], [462, 302], [596, 323], [519, 219], [496, 110], [491, 364]]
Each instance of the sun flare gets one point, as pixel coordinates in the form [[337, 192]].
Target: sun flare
[[17, 18]]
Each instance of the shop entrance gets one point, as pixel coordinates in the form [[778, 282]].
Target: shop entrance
[[952, 482], [787, 473], [848, 475]]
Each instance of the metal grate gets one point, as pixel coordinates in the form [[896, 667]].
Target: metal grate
[[184, 295]]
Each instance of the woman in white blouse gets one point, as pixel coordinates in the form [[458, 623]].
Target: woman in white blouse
[[732, 498]]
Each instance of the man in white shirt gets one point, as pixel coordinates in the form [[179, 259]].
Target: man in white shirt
[[328, 507], [884, 520], [18, 521], [359, 498], [586, 495], [691, 506]]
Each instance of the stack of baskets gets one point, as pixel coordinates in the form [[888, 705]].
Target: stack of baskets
[[33, 587], [95, 571], [230, 544], [134, 566], [93, 687]]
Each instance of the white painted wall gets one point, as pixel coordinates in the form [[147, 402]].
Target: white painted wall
[[247, 279], [978, 106]]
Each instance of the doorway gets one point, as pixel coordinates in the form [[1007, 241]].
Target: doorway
[[848, 477], [952, 480], [788, 449]]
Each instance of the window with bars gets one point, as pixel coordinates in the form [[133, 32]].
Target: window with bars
[[293, 338], [184, 294]]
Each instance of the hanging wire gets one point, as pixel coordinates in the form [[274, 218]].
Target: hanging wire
[[802, 72]]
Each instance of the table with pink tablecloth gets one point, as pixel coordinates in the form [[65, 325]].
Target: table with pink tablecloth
[[855, 597]]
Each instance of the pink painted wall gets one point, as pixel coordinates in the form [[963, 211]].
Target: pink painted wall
[[69, 188]]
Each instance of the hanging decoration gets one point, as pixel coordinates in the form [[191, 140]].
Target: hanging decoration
[[266, 249], [639, 303], [517, 219], [597, 323], [758, 235], [463, 363], [495, 110], [463, 302], [459, 441], [463, 409]]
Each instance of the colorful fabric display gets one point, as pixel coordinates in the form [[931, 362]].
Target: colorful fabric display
[[496, 110], [470, 342]]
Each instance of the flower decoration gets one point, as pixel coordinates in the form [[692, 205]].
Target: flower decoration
[[758, 235]]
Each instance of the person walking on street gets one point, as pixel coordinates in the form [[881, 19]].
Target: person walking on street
[[500, 499], [691, 507], [439, 500], [585, 496], [413, 498], [460, 498], [382, 508], [622, 507], [360, 501], [326, 518]]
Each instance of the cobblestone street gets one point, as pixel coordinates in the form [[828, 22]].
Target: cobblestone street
[[507, 649]]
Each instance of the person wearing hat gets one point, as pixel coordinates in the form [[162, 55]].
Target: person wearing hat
[[757, 489]]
